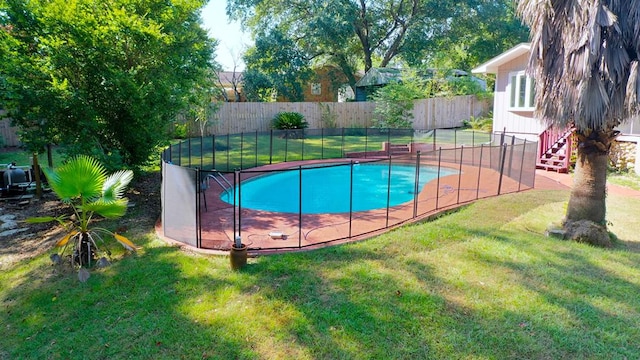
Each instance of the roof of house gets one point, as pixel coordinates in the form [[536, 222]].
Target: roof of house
[[491, 66], [379, 76]]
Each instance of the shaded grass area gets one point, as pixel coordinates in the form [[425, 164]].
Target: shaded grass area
[[481, 283]]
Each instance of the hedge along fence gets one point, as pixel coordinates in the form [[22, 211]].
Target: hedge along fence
[[428, 114]]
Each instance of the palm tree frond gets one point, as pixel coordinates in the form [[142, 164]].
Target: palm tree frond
[[114, 186], [125, 242], [109, 209], [80, 176]]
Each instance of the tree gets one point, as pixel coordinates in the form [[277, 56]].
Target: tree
[[584, 59], [475, 31], [275, 66], [356, 35], [100, 78]]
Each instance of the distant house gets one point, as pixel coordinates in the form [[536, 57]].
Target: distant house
[[514, 103]]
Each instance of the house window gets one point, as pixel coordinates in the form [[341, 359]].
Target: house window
[[316, 89], [521, 92]]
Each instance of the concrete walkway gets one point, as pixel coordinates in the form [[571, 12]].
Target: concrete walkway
[[551, 180]]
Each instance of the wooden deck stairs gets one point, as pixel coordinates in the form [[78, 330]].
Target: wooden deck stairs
[[554, 150]]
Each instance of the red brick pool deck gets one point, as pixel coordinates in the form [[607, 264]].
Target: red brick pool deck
[[320, 230]]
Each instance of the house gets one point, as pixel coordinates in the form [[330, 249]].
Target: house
[[514, 105]]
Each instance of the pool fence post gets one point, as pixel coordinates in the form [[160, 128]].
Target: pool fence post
[[524, 147], [366, 141], [201, 151], [228, 150], [473, 146], [322, 143], [388, 192], [416, 185], [241, 150], [342, 145], [271, 147], [503, 155], [460, 173], [199, 190], [513, 142], [434, 140], [303, 136], [213, 151], [300, 207], [350, 195], [256, 164], [180, 153], [236, 231], [438, 181], [170, 160], [389, 141], [189, 151], [455, 141], [286, 145], [479, 171]]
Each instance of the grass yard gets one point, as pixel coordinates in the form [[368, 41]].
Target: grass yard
[[481, 283], [256, 149]]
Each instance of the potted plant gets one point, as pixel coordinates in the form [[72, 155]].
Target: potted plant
[[83, 184]]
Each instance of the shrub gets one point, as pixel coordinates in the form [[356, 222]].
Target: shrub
[[289, 121], [483, 123]]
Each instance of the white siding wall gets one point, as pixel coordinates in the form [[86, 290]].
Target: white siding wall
[[520, 122]]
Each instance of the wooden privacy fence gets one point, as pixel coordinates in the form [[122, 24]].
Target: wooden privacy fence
[[8, 134], [233, 118]]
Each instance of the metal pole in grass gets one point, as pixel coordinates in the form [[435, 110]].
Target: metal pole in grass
[[350, 196], [460, 172], [524, 147], [513, 142], [241, 149], [438, 181], [503, 155], [256, 165], [388, 191], [300, 207], [189, 151], [479, 172], [271, 147], [416, 185]]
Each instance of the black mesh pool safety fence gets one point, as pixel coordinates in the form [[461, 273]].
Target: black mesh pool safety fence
[[298, 189]]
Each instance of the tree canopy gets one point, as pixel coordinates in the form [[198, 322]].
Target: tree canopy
[[103, 78], [358, 35]]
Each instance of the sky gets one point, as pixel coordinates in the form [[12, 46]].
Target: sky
[[231, 40]]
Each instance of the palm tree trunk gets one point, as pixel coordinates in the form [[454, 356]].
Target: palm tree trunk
[[588, 195]]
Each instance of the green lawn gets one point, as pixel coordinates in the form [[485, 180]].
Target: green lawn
[[256, 149], [481, 283]]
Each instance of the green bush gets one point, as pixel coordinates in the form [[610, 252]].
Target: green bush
[[483, 123], [289, 121]]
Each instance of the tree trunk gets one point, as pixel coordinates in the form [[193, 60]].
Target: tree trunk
[[588, 194]]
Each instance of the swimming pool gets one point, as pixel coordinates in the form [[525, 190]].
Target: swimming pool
[[327, 189]]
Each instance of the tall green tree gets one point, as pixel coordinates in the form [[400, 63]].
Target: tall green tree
[[356, 35], [100, 77], [584, 59]]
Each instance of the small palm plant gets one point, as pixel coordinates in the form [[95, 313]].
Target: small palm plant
[[83, 183]]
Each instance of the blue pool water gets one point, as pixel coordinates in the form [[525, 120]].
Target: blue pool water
[[327, 190]]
